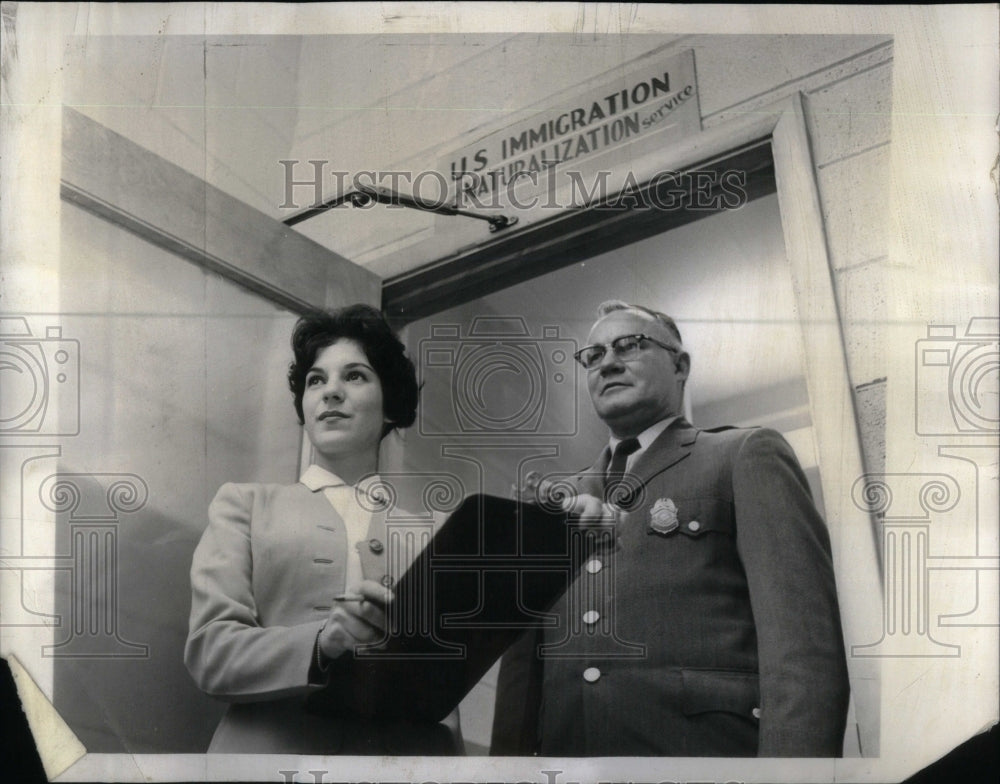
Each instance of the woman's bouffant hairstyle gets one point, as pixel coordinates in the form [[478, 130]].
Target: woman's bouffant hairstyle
[[385, 352]]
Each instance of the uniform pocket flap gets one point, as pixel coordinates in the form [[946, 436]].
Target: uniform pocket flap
[[697, 516], [720, 690]]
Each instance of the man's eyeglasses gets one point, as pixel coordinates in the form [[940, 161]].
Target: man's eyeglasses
[[625, 348]]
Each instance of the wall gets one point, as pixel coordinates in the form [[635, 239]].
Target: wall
[[848, 111], [182, 387]]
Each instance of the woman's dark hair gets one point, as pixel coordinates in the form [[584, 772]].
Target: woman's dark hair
[[385, 352]]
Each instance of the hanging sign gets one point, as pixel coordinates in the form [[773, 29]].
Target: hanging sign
[[658, 97]]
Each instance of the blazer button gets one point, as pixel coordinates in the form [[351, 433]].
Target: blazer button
[[591, 675], [694, 525], [756, 713], [375, 546], [591, 617], [594, 566]]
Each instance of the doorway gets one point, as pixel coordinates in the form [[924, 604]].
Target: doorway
[[750, 288]]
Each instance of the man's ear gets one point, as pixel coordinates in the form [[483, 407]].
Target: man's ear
[[683, 365]]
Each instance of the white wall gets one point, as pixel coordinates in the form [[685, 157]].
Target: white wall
[[182, 385]]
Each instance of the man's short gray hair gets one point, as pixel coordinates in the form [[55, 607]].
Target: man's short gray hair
[[611, 305]]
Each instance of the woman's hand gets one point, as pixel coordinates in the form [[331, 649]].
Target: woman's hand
[[355, 619]]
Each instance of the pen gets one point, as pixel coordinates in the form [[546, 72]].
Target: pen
[[349, 597]]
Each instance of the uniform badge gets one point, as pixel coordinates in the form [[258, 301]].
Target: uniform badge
[[663, 517]]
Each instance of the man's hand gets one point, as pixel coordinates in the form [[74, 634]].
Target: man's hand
[[585, 506], [356, 618], [591, 510]]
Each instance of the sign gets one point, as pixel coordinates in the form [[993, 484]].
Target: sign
[[659, 97]]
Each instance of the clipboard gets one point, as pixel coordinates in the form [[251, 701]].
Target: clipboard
[[491, 572]]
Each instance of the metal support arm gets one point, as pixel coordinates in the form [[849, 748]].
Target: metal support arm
[[365, 194]]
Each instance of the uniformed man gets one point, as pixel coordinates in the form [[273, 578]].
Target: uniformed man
[[709, 625]]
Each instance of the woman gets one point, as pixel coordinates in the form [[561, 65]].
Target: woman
[[287, 578]]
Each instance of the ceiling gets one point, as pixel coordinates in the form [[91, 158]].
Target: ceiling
[[249, 114], [230, 109]]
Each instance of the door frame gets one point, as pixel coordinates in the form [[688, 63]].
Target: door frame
[[114, 178]]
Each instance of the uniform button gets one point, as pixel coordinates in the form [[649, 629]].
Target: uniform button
[[387, 581], [591, 616], [375, 546], [694, 525], [756, 713], [591, 674], [594, 566]]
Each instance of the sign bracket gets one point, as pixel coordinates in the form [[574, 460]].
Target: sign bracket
[[364, 195]]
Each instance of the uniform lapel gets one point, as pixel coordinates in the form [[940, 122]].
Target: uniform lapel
[[672, 446], [591, 480]]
